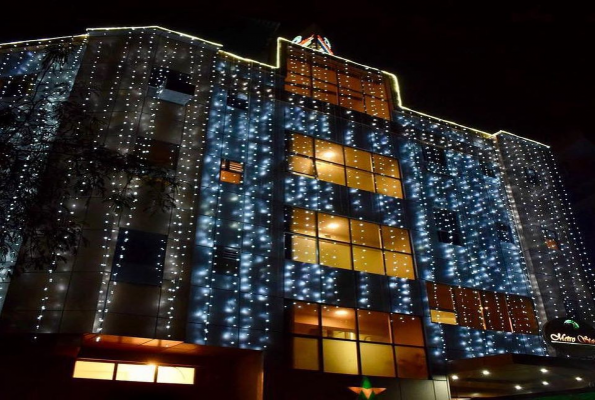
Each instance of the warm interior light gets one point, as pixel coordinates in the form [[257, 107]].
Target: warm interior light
[[341, 312], [518, 387], [329, 154], [545, 383], [333, 225], [455, 377], [578, 378], [485, 372], [179, 375], [543, 370], [135, 372], [93, 370]]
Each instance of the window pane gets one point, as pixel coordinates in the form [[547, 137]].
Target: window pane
[[377, 359], [373, 326], [358, 159], [305, 319], [338, 322], [443, 317], [360, 179], [411, 362], [468, 306], [329, 151], [350, 81], [340, 356], [396, 239], [353, 102], [335, 254], [374, 87], [231, 177], [365, 233], [377, 107], [325, 87], [322, 72], [325, 95], [180, 375], [389, 186], [301, 144], [94, 370], [333, 227], [303, 249], [495, 311], [330, 172], [135, 373], [522, 314], [303, 221], [368, 260], [440, 296], [386, 166], [299, 79], [304, 91], [305, 353], [407, 330], [301, 165], [399, 265], [298, 65]]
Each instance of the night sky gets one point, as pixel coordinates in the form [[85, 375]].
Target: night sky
[[526, 68]]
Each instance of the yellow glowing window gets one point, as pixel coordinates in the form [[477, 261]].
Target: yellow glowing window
[[407, 330], [377, 359], [399, 265], [305, 353], [335, 254], [305, 319], [135, 373], [179, 375], [389, 186], [443, 317], [374, 326], [333, 227], [386, 166], [301, 165], [94, 370], [303, 221], [358, 159], [329, 152], [340, 356], [353, 102], [297, 89], [411, 362], [330, 172], [301, 144], [231, 171], [396, 239], [360, 179], [365, 233], [303, 249], [368, 260], [338, 322]]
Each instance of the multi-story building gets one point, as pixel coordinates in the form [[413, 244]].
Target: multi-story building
[[323, 233]]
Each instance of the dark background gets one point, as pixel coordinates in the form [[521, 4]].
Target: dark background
[[525, 67]]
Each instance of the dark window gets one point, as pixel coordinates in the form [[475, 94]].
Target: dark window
[[158, 153], [172, 86], [16, 86], [447, 226], [237, 100], [226, 261], [139, 257], [551, 239], [434, 155], [487, 169], [504, 232], [532, 176], [231, 171]]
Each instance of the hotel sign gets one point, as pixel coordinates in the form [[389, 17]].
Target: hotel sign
[[570, 336]]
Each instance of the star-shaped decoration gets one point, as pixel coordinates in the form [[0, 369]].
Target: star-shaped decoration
[[366, 391]]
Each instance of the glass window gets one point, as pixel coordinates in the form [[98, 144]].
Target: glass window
[[411, 362], [350, 81], [303, 221], [373, 326], [440, 296], [377, 359], [353, 101], [340, 356], [333, 227], [407, 330], [303, 249], [360, 179], [522, 314], [231, 171], [399, 265], [338, 322], [468, 306], [330, 172], [159, 153], [396, 239], [135, 373], [368, 260], [139, 257], [389, 186], [386, 166], [305, 353], [301, 165], [365, 233], [301, 144], [179, 375], [358, 159], [94, 370], [495, 311], [335, 254], [328, 151], [305, 319], [443, 317]]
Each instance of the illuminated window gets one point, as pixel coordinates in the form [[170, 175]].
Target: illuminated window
[[551, 239], [340, 242], [135, 372], [231, 171], [447, 227], [179, 375], [342, 165], [357, 341], [94, 370], [336, 82], [481, 309]]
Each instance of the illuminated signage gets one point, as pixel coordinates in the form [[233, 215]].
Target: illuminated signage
[[570, 336]]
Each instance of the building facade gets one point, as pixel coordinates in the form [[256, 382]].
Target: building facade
[[322, 232]]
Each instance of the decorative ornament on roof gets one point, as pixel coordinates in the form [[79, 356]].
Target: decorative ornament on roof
[[316, 42]]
